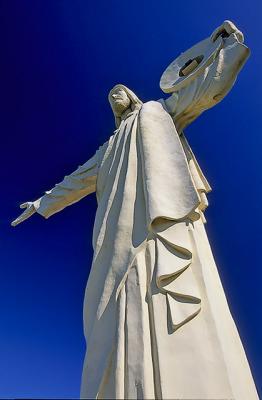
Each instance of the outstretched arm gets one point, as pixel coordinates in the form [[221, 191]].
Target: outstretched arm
[[73, 188], [212, 85]]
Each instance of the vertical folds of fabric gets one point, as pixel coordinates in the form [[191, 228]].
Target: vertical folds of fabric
[[174, 275], [172, 200], [169, 189]]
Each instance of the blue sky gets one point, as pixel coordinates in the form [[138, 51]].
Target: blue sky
[[59, 59]]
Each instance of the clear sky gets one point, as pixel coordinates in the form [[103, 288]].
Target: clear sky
[[59, 59]]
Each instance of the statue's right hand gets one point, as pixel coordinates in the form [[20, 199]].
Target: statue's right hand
[[29, 210], [227, 29]]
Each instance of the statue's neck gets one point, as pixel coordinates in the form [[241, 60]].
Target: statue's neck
[[129, 110], [125, 113]]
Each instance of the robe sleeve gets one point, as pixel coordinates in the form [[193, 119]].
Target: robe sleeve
[[73, 188], [210, 87]]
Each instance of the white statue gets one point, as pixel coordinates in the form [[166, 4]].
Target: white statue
[[156, 319]]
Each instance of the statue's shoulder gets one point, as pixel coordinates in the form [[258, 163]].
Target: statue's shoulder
[[154, 107]]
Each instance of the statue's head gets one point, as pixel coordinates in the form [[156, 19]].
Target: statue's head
[[121, 100]]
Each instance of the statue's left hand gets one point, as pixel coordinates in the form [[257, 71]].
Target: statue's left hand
[[225, 30], [29, 210]]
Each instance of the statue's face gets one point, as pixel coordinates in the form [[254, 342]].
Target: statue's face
[[119, 101]]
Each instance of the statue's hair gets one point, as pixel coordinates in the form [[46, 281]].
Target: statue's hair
[[135, 101]]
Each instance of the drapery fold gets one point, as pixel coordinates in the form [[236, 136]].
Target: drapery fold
[[168, 185], [146, 274], [172, 200], [174, 275], [145, 151]]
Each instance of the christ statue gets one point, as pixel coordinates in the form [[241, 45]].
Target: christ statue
[[156, 319]]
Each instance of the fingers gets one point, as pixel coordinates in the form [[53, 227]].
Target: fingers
[[24, 205], [27, 204], [20, 219], [229, 27], [215, 34], [226, 29], [26, 214], [240, 36], [17, 221]]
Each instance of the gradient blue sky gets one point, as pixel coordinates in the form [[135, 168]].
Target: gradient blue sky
[[59, 59]]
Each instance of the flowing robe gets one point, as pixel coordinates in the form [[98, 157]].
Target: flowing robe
[[156, 319]]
